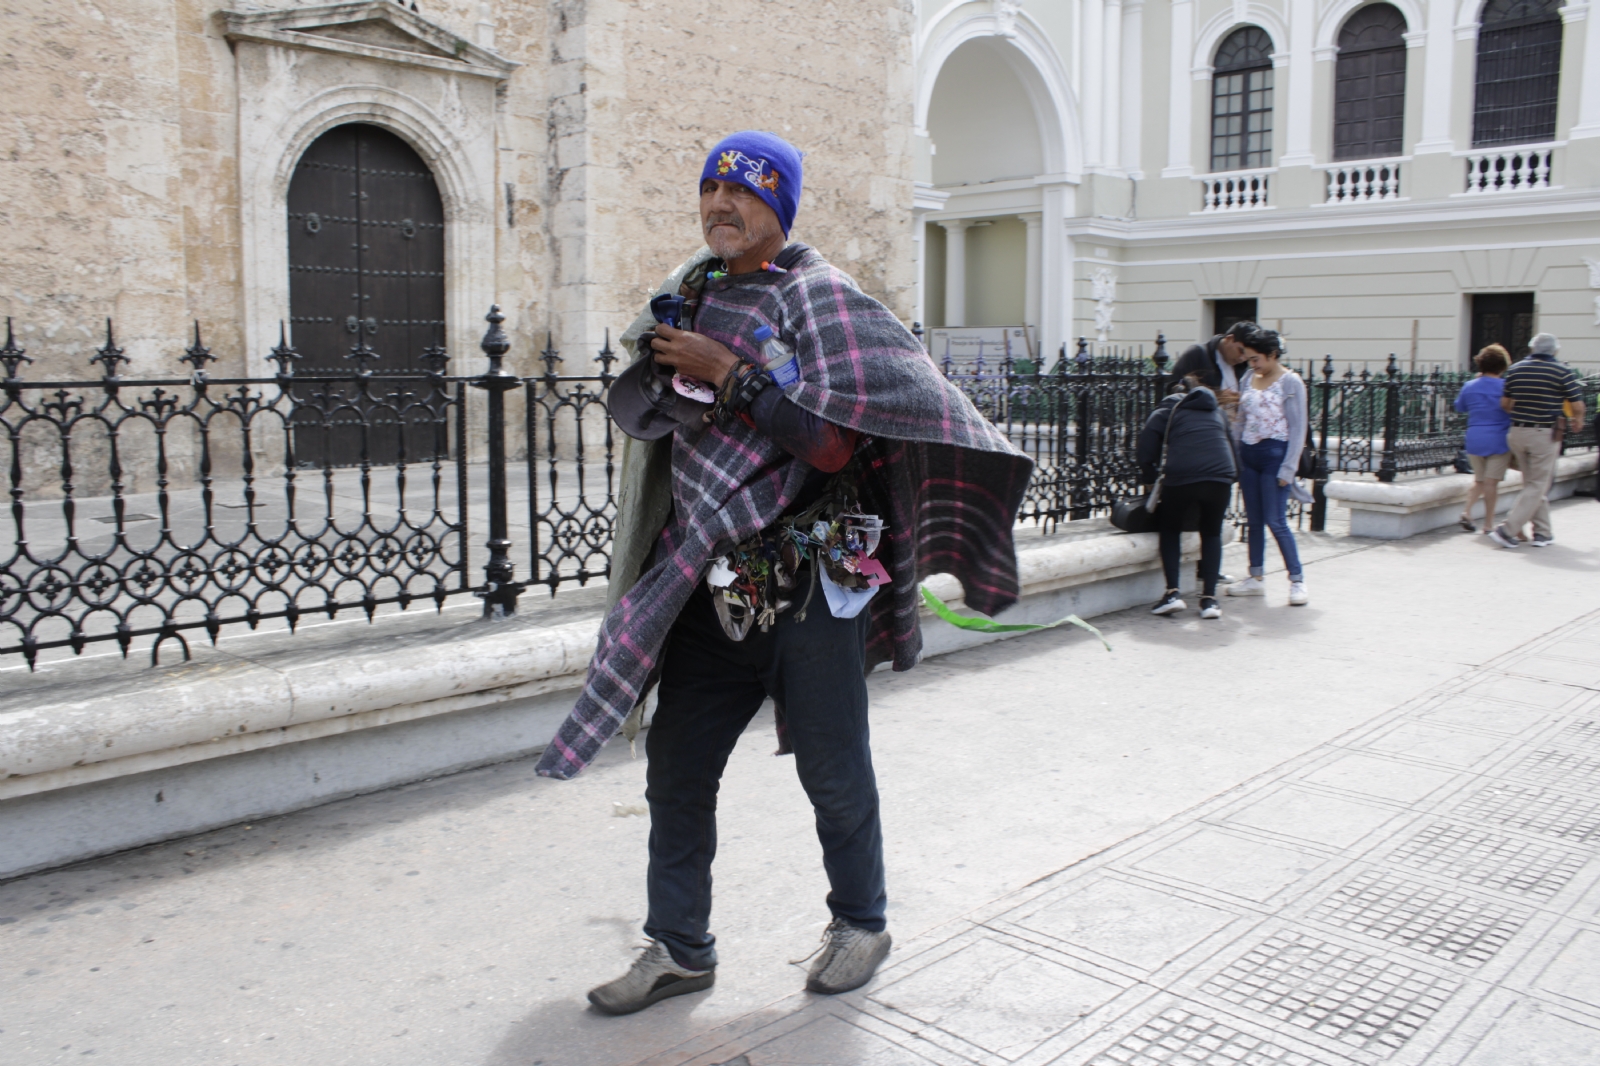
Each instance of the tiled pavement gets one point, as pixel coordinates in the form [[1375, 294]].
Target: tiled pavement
[[1421, 890]]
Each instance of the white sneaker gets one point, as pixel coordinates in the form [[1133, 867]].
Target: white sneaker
[[1298, 596], [850, 956], [653, 977], [1250, 586]]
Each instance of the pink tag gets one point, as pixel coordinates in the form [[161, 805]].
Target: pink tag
[[872, 570], [693, 388]]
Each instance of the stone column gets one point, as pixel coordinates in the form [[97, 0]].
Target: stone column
[[1180, 117], [1438, 58], [927, 199], [1032, 271], [1094, 82], [1055, 267], [1301, 77], [1131, 122], [955, 271], [1585, 19], [1111, 126]]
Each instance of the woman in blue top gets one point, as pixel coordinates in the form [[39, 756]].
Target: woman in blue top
[[1487, 423]]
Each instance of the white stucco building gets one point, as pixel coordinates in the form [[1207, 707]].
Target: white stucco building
[[1373, 176]]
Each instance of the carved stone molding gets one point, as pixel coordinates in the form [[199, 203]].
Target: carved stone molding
[[369, 29], [305, 70]]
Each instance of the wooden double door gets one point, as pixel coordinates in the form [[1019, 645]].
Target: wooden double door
[[1503, 318], [366, 291]]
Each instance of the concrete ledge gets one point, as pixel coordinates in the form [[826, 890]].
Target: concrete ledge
[[1402, 509], [98, 756]]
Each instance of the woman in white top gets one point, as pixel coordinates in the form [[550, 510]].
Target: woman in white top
[[1270, 427]]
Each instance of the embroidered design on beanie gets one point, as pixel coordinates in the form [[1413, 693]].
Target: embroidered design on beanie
[[757, 172]]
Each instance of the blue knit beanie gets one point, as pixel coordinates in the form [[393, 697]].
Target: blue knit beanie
[[764, 163]]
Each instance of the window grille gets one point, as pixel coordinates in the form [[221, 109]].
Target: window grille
[[1370, 85], [1519, 66], [1241, 102]]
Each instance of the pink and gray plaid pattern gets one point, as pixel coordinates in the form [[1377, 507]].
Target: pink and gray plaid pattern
[[947, 482]]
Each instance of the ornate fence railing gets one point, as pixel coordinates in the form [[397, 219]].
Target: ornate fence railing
[[155, 508]]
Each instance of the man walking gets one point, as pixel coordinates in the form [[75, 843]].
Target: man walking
[[754, 541], [1535, 391]]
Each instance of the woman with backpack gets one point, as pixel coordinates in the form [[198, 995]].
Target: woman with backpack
[[1270, 427], [1184, 450]]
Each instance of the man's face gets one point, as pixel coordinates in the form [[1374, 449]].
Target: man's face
[[734, 219], [1232, 351]]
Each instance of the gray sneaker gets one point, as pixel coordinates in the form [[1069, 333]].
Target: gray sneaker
[[652, 978], [849, 957], [1539, 540]]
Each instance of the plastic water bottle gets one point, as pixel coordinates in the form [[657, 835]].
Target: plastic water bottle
[[779, 357]]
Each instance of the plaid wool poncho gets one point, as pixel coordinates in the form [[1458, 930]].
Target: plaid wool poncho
[[946, 482]]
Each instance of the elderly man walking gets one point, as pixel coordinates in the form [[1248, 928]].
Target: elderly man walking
[[1535, 391], [797, 464]]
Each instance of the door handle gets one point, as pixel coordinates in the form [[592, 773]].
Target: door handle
[[372, 327], [352, 325]]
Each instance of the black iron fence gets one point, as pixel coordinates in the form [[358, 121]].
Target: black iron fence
[[154, 508], [157, 507]]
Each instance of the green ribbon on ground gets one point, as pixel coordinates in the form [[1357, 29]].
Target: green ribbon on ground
[[986, 625]]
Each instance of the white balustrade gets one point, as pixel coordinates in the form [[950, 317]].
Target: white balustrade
[[1239, 190], [1518, 168], [1366, 181]]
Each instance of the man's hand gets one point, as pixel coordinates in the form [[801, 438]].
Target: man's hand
[[1227, 397], [693, 354]]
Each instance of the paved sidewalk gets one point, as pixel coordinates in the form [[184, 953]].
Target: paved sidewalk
[[1262, 757], [1421, 890]]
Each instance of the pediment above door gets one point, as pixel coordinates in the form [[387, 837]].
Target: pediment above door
[[369, 29]]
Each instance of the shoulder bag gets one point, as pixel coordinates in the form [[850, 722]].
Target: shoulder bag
[[1136, 514]]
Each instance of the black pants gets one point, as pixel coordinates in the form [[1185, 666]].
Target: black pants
[[710, 689], [1210, 498]]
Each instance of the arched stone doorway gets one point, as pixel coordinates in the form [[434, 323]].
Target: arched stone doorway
[[998, 174], [983, 132], [366, 290]]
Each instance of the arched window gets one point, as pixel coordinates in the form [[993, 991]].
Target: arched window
[[1519, 64], [1241, 101], [1369, 84]]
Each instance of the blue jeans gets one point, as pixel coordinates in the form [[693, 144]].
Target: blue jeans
[[1266, 505], [710, 689]]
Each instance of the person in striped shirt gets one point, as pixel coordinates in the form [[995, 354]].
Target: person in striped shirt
[[1535, 390]]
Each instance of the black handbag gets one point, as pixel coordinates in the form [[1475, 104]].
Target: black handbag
[[1307, 466], [1130, 515]]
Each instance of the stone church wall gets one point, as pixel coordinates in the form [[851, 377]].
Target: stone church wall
[[125, 195], [122, 177]]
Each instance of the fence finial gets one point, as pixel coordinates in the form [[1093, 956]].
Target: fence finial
[[197, 354], [109, 356], [495, 343], [12, 356], [283, 353]]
